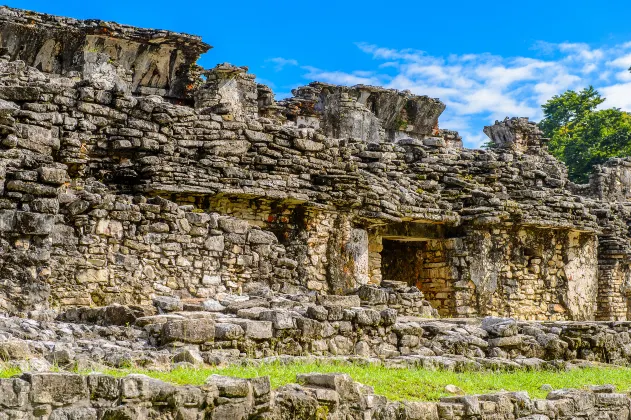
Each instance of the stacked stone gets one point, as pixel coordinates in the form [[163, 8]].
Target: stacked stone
[[61, 395], [175, 331], [153, 245], [610, 184], [406, 300], [318, 178]]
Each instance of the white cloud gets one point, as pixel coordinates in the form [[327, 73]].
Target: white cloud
[[342, 78], [624, 61], [618, 95], [480, 88], [281, 63], [580, 51]]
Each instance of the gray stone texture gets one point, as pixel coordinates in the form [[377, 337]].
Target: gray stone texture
[[119, 188], [139, 397]]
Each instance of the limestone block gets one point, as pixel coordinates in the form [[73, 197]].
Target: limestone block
[[281, 320], [7, 108], [227, 331], [82, 413], [343, 384], [309, 328], [228, 147], [232, 225], [56, 388], [7, 220], [388, 316], [14, 349], [55, 176], [256, 236], [318, 313], [211, 305], [499, 327], [258, 330], [367, 317], [215, 243], [308, 145], [188, 331], [103, 387], [91, 276], [34, 223], [14, 393], [348, 301], [373, 295], [230, 387], [189, 356], [168, 303]]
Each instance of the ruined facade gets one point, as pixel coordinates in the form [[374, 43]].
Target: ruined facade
[[127, 172]]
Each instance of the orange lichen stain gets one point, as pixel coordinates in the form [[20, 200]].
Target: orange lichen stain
[[270, 218]]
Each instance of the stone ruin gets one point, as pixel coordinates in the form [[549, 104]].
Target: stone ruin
[[152, 211]]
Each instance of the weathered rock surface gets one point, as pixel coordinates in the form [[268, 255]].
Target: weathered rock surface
[[126, 177], [150, 217], [298, 331], [70, 396]]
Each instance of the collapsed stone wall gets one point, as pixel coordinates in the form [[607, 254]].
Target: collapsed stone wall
[[290, 328], [98, 396], [113, 183]]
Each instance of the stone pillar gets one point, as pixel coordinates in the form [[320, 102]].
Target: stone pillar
[[357, 250], [347, 256], [375, 246], [614, 290], [581, 271]]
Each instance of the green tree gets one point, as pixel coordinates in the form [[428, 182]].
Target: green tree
[[582, 136]]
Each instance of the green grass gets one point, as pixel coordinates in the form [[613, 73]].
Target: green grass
[[410, 384], [413, 384], [8, 372]]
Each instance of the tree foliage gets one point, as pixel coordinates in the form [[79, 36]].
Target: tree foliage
[[583, 136]]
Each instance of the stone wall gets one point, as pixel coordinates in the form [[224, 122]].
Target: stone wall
[[97, 396], [119, 249], [525, 272], [534, 273], [112, 183]]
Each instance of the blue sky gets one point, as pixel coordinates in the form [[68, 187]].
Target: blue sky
[[485, 59]]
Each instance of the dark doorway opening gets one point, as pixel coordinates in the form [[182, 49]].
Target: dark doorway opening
[[424, 264]]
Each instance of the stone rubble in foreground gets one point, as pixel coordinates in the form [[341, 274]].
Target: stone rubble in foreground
[[156, 214], [282, 328], [319, 396], [174, 334]]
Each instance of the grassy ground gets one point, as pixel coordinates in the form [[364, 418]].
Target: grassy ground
[[402, 384]]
